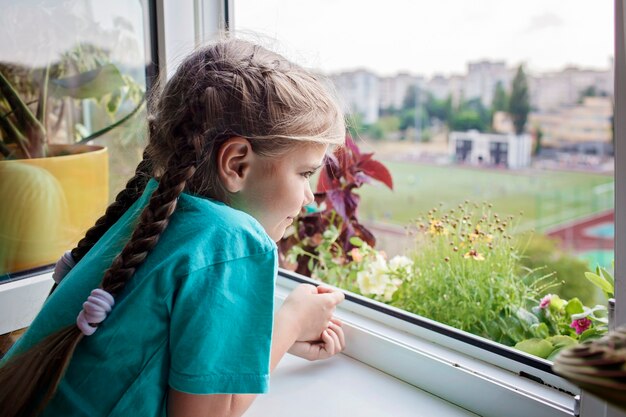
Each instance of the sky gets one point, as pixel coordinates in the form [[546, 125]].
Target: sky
[[432, 37]]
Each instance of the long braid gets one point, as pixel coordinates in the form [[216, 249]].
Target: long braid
[[124, 199], [43, 369], [152, 222]]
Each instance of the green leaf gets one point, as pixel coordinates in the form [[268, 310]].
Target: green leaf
[[356, 241], [561, 341], [600, 281], [91, 84], [603, 272], [540, 330], [113, 103], [555, 353], [574, 306], [535, 346], [591, 334], [526, 316]]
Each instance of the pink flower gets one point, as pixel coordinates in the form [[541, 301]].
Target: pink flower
[[580, 325], [545, 301]]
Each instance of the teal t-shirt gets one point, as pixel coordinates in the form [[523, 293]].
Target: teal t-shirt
[[196, 316]]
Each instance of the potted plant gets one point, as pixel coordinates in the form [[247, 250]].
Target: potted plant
[[53, 184], [331, 224]]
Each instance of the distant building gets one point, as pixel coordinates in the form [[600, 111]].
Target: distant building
[[482, 79], [475, 148], [583, 128], [551, 91], [393, 90], [443, 87], [360, 93]]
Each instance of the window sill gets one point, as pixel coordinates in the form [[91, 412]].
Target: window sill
[[443, 366], [21, 300], [342, 386]]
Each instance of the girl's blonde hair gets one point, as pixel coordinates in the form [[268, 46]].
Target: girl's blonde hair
[[230, 88]]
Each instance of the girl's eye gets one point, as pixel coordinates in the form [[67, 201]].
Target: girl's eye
[[307, 174]]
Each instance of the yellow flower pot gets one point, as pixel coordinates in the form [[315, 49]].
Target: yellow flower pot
[[47, 204]]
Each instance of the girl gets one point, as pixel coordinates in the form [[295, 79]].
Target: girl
[[169, 308]]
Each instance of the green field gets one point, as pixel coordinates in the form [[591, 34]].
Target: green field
[[546, 198]]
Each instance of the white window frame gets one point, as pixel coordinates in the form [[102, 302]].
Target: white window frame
[[473, 378]]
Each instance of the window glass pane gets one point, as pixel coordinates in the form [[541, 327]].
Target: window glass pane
[[73, 84], [495, 120]]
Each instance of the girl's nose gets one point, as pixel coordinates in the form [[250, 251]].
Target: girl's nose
[[308, 194]]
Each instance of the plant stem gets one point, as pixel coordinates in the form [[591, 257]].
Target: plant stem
[[26, 121], [20, 140], [11, 111], [43, 97], [114, 125]]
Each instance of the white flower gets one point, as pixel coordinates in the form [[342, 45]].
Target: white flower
[[392, 287], [374, 279], [400, 262]]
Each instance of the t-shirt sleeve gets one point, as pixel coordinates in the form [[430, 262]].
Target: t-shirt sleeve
[[221, 327]]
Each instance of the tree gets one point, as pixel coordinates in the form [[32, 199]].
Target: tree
[[439, 109], [590, 91], [467, 120], [410, 97], [500, 100], [519, 103], [476, 105]]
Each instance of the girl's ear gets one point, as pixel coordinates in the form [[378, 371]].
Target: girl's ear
[[233, 163]]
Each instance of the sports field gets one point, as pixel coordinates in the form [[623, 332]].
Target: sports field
[[546, 198]]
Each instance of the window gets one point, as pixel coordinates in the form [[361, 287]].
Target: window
[[90, 64], [488, 125], [416, 349]]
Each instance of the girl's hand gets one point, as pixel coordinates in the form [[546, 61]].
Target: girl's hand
[[332, 342], [309, 310]]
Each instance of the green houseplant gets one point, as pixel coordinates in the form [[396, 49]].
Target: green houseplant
[[54, 184]]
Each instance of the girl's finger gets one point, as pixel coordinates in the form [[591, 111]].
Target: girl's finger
[[322, 289], [329, 343], [340, 335], [337, 344], [336, 321]]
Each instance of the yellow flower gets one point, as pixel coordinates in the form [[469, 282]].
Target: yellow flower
[[437, 228], [475, 255]]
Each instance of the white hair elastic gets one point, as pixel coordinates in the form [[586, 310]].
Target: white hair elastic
[[94, 311], [63, 266]]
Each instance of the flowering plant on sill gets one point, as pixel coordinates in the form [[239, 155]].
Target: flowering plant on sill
[[468, 275], [325, 230], [559, 323], [364, 270]]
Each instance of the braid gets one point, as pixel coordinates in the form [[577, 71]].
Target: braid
[[54, 353], [152, 222], [125, 198]]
